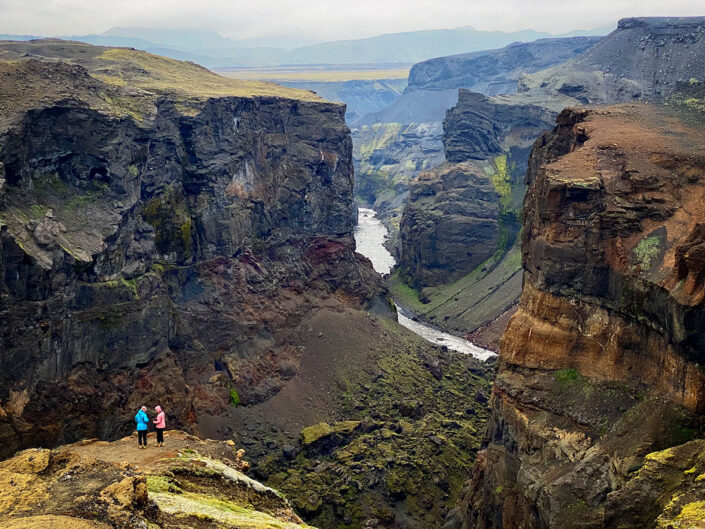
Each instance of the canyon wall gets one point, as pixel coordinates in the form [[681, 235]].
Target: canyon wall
[[644, 58], [457, 212], [163, 232], [600, 380]]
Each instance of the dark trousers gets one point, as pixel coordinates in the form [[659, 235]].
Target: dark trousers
[[160, 435], [142, 437]]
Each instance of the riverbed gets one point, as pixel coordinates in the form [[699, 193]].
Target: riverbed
[[370, 234]]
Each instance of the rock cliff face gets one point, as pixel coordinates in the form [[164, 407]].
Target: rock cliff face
[[661, 53], [458, 212], [164, 231], [601, 365]]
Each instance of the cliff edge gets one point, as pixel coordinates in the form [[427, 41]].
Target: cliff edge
[[600, 368]]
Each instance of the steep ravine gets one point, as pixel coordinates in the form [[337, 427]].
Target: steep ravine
[[170, 236], [600, 380]]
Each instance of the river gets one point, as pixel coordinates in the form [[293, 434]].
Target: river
[[370, 234]]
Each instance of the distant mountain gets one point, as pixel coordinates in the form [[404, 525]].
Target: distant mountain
[[212, 50], [495, 71], [407, 47], [192, 39]]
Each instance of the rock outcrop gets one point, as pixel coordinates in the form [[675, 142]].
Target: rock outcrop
[[457, 213], [644, 58], [98, 485], [600, 368], [164, 232]]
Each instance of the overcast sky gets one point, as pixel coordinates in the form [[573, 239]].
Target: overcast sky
[[326, 19]]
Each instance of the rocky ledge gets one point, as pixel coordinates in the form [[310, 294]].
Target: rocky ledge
[[601, 367], [188, 483]]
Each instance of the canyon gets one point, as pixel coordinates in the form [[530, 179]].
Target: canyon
[[173, 236], [169, 235]]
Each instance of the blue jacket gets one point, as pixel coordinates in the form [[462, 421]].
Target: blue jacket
[[142, 421]]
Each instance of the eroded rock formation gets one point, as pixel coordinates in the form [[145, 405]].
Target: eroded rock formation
[[601, 365], [644, 58], [466, 210]]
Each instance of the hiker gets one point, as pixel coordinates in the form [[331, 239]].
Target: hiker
[[160, 425], [142, 423]]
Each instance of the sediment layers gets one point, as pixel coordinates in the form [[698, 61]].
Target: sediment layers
[[600, 366]]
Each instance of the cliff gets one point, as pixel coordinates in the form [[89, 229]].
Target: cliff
[[600, 377], [97, 485], [451, 223], [493, 72], [661, 53], [159, 227]]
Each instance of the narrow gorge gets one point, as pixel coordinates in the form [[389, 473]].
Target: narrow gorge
[[481, 307]]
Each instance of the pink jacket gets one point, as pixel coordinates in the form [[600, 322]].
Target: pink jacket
[[160, 421]]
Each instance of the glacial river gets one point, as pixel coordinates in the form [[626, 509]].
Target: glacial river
[[369, 237]]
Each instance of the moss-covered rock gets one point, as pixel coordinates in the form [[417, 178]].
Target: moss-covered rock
[[404, 452]]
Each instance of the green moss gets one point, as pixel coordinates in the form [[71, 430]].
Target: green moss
[[218, 510], [566, 375], [647, 251], [234, 397], [131, 285], [169, 216], [38, 211], [501, 180], [498, 490], [77, 201], [162, 484]]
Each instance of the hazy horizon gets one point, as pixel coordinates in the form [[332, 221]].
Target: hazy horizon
[[342, 20]]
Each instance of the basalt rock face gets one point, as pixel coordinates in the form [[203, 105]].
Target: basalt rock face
[[160, 242], [644, 58], [458, 212], [495, 71], [600, 366]]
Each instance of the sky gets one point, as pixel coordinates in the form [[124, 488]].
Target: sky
[[325, 19]]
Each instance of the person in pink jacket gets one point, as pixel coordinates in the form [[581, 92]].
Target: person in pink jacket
[[160, 425]]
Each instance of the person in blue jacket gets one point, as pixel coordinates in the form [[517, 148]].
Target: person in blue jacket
[[142, 421]]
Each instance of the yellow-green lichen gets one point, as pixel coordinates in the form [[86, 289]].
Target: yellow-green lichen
[[692, 512], [661, 457], [223, 512]]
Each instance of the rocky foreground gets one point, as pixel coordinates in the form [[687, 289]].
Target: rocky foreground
[[188, 483], [601, 367]]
